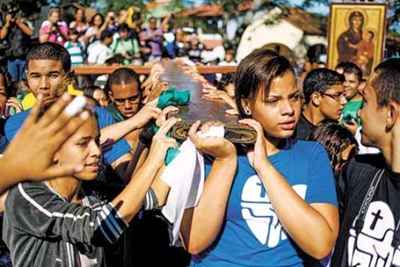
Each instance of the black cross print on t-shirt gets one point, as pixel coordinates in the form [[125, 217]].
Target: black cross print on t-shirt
[[377, 216]]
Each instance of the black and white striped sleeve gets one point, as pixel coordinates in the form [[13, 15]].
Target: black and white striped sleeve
[[42, 213]]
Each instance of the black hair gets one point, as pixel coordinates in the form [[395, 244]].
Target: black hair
[[314, 53], [386, 81], [97, 14], [123, 27], [105, 34], [320, 80], [256, 72], [122, 75], [226, 79], [50, 51], [350, 67], [7, 86], [335, 139]]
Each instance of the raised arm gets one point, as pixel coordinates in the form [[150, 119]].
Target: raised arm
[[30, 154], [314, 227], [130, 200], [201, 225]]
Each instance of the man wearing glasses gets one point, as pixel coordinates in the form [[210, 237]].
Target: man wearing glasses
[[324, 99], [123, 88]]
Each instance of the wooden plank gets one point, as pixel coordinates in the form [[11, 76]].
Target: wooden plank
[[103, 69]]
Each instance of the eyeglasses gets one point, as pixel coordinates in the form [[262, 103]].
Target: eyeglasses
[[336, 97], [134, 100]]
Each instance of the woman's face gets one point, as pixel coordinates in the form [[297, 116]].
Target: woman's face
[[54, 17], [98, 20], [279, 111], [82, 148], [356, 22], [79, 15]]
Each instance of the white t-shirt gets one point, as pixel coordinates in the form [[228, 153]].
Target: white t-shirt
[[98, 53]]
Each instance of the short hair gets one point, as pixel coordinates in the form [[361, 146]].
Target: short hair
[[386, 81], [320, 80], [105, 34], [123, 27], [351, 68], [256, 72], [50, 51], [335, 140], [120, 76]]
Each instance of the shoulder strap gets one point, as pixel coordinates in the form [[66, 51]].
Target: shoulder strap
[[367, 200]]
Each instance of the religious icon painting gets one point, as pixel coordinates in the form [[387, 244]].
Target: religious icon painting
[[356, 34]]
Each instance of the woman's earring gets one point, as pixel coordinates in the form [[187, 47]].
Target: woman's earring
[[247, 111]]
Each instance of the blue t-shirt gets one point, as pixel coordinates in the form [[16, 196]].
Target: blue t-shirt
[[104, 119], [252, 234]]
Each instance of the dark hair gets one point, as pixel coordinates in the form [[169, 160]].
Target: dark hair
[[6, 78], [51, 51], [356, 14], [122, 75], [97, 14], [89, 93], [314, 53], [105, 34], [351, 68], [320, 80], [335, 139], [255, 72], [54, 9], [226, 79], [386, 81], [372, 33], [123, 27]]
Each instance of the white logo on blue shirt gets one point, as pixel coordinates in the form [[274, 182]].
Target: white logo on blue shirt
[[259, 214]]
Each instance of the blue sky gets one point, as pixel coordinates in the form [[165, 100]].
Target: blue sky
[[322, 9]]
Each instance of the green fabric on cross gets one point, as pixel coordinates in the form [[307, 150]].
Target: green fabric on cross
[[171, 97]]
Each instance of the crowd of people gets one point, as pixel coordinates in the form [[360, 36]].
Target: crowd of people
[[82, 162]]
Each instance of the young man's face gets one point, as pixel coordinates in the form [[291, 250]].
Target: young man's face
[[351, 85], [82, 148], [46, 77], [332, 102], [373, 117], [278, 112], [126, 98]]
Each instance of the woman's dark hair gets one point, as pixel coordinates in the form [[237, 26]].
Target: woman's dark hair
[[335, 139], [92, 20], [356, 14], [256, 72]]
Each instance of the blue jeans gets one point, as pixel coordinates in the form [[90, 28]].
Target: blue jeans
[[16, 68]]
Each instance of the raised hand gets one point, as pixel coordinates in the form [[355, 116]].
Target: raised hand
[[259, 154], [30, 154], [161, 142], [217, 147]]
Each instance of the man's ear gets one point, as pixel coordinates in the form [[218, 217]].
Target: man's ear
[[315, 99], [393, 115], [246, 106]]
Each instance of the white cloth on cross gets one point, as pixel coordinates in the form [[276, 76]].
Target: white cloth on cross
[[185, 176]]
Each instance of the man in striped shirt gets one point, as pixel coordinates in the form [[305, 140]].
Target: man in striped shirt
[[75, 48]]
